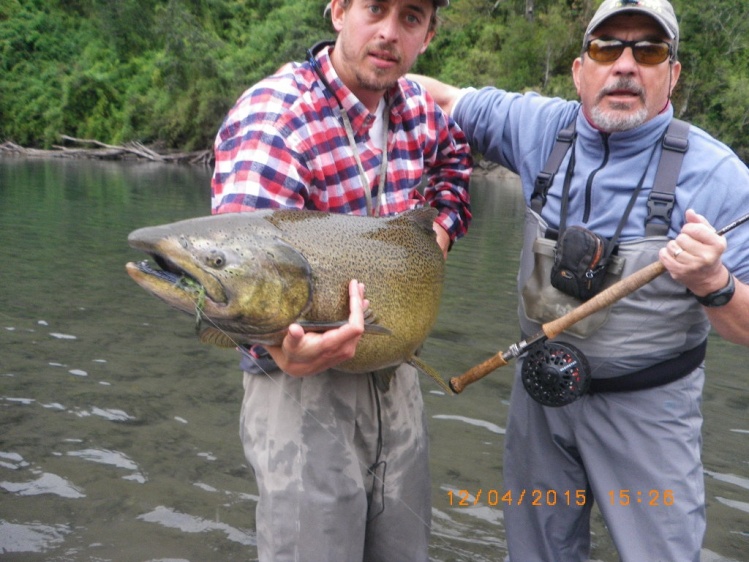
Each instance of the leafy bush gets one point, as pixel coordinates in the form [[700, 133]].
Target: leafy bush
[[166, 71]]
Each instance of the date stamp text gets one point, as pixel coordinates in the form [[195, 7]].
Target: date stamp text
[[550, 498]]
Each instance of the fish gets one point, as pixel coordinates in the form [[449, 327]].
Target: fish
[[248, 276]]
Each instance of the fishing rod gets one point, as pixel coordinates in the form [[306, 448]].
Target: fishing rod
[[550, 330]]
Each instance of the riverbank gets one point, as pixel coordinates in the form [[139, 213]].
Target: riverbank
[[97, 150], [485, 168]]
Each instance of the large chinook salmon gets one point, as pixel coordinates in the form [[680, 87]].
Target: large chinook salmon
[[250, 275]]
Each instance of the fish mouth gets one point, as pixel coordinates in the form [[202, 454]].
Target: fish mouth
[[181, 286]]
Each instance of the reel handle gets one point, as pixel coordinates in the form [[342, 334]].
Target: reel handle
[[552, 329]]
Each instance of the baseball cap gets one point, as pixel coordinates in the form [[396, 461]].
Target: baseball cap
[[660, 10]]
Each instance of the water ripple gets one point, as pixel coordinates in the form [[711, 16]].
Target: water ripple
[[494, 428], [168, 517], [34, 537], [47, 483]]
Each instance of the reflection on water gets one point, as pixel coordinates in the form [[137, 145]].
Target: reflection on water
[[119, 429]]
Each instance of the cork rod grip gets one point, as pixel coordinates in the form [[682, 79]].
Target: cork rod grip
[[458, 384]]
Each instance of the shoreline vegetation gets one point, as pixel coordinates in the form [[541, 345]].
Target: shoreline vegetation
[[164, 73], [97, 150]]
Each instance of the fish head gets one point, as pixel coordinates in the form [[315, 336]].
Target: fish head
[[234, 269]]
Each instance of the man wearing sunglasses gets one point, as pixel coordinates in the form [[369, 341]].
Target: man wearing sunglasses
[[633, 445]]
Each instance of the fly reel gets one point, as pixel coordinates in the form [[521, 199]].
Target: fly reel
[[555, 373]]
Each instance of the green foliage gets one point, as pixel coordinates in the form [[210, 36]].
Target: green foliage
[[167, 71], [714, 87]]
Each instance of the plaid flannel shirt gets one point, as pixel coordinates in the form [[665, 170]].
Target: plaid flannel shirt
[[283, 145]]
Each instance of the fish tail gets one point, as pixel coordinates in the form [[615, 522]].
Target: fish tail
[[427, 370]]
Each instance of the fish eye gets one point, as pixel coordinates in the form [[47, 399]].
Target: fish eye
[[216, 260]]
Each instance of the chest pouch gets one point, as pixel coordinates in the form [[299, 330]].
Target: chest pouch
[[580, 262], [543, 303]]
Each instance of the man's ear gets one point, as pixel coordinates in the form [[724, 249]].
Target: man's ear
[[577, 66], [337, 14], [675, 73], [427, 40]]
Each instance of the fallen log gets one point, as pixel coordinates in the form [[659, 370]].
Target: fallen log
[[100, 150]]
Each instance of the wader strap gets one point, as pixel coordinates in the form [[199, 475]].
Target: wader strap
[[546, 176], [661, 200], [657, 375]]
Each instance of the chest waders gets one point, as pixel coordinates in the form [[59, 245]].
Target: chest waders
[[558, 373]]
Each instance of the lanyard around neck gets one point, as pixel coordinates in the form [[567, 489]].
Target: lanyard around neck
[[566, 194], [382, 175], [383, 165]]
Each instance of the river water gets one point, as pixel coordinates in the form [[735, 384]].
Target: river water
[[119, 430]]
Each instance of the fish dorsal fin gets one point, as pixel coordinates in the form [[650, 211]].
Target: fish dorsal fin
[[423, 216]]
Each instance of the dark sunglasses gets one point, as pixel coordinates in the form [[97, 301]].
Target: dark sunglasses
[[644, 52]]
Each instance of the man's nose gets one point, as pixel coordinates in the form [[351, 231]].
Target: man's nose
[[626, 63], [389, 27]]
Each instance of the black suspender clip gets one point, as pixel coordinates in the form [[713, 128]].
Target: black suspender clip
[[661, 199], [545, 177]]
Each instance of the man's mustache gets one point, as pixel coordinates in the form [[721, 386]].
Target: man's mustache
[[385, 49], [623, 84]]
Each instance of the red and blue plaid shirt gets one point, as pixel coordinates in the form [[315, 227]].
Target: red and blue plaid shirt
[[284, 145]]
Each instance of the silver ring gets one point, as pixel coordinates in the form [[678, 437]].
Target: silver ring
[[677, 252]]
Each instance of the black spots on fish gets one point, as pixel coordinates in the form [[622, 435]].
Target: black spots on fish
[[402, 234], [278, 217], [423, 217]]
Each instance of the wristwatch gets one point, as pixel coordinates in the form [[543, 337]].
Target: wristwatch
[[719, 297]]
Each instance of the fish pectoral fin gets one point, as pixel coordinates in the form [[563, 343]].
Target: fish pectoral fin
[[427, 370], [321, 326], [374, 329], [377, 330], [371, 325], [216, 337]]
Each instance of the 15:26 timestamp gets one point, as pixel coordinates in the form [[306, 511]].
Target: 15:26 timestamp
[[654, 498]]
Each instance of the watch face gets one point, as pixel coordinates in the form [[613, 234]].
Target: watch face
[[720, 300], [721, 297]]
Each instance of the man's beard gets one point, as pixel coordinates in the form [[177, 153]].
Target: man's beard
[[613, 120], [378, 79], [375, 83]]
